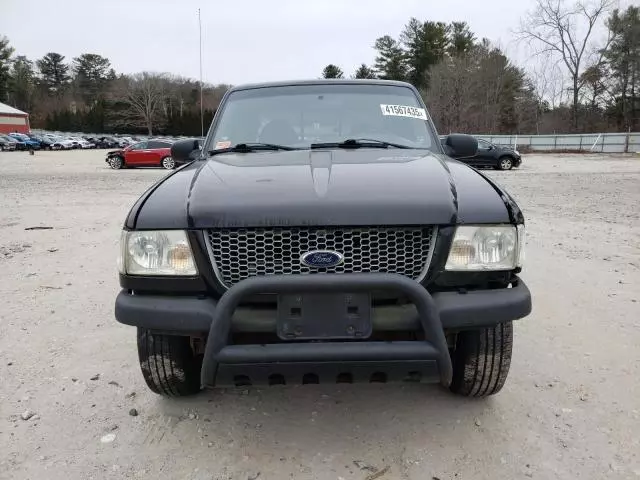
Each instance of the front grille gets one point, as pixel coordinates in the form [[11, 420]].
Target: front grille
[[246, 252]]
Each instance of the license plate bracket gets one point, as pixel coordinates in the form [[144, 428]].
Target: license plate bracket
[[313, 316]]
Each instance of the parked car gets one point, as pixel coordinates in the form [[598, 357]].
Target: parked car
[[7, 143], [121, 143], [80, 142], [105, 142], [28, 142], [114, 142], [152, 153], [74, 142], [43, 141], [326, 219], [19, 144], [60, 143], [495, 156]]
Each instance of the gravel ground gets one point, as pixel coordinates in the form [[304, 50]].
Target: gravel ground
[[570, 408]]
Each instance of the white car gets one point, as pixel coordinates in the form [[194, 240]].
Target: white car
[[60, 143], [80, 142]]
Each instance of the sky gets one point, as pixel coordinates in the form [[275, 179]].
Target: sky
[[242, 40]]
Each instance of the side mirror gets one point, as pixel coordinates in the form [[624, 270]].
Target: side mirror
[[459, 145], [182, 150]]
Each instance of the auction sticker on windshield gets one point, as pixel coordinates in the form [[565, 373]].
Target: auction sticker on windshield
[[404, 111]]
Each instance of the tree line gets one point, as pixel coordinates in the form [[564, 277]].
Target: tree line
[[576, 81], [87, 95]]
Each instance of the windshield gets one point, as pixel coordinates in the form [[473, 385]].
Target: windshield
[[301, 115]]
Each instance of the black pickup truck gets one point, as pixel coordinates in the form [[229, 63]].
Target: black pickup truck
[[323, 234]]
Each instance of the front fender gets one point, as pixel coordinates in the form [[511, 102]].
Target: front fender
[[515, 214]]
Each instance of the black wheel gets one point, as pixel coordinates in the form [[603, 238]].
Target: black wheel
[[168, 363], [481, 360], [168, 163], [116, 162], [505, 163]]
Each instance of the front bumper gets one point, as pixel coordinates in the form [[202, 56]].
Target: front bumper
[[224, 364]]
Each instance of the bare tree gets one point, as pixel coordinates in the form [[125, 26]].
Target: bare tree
[[565, 32], [144, 96], [547, 79], [480, 91], [547, 86]]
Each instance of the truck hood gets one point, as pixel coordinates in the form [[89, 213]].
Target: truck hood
[[326, 187]]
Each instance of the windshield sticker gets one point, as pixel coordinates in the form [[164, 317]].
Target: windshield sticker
[[403, 111], [220, 145]]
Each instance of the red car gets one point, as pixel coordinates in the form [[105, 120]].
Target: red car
[[151, 153]]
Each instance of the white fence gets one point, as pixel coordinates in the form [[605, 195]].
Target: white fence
[[586, 142]]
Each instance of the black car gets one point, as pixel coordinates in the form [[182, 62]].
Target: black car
[[323, 234], [18, 144], [7, 143], [105, 142], [45, 143], [494, 156]]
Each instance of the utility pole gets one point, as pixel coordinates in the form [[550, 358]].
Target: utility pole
[[201, 103]]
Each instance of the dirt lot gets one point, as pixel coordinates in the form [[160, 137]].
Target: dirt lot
[[570, 408]]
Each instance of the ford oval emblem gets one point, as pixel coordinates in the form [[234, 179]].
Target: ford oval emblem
[[322, 258]]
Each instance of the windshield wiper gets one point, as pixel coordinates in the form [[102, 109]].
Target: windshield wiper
[[359, 143], [251, 147]]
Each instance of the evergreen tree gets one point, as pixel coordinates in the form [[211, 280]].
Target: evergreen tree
[[391, 61], [332, 71], [6, 51], [54, 73]]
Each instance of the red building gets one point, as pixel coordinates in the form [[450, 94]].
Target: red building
[[13, 120]]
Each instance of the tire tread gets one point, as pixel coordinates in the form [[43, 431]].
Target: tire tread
[[481, 360], [168, 364]]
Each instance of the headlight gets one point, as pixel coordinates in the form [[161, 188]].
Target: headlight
[[486, 247], [162, 252]]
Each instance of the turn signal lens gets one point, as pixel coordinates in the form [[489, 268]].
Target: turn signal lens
[[179, 257]]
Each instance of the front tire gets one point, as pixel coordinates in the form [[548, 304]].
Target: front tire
[[168, 163], [481, 360], [116, 162], [168, 364], [505, 163]]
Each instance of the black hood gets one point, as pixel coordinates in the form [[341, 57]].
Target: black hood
[[327, 187]]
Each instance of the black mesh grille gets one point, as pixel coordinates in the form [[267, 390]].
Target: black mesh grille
[[246, 252]]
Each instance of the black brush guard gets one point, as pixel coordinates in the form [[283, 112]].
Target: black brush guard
[[316, 362]]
